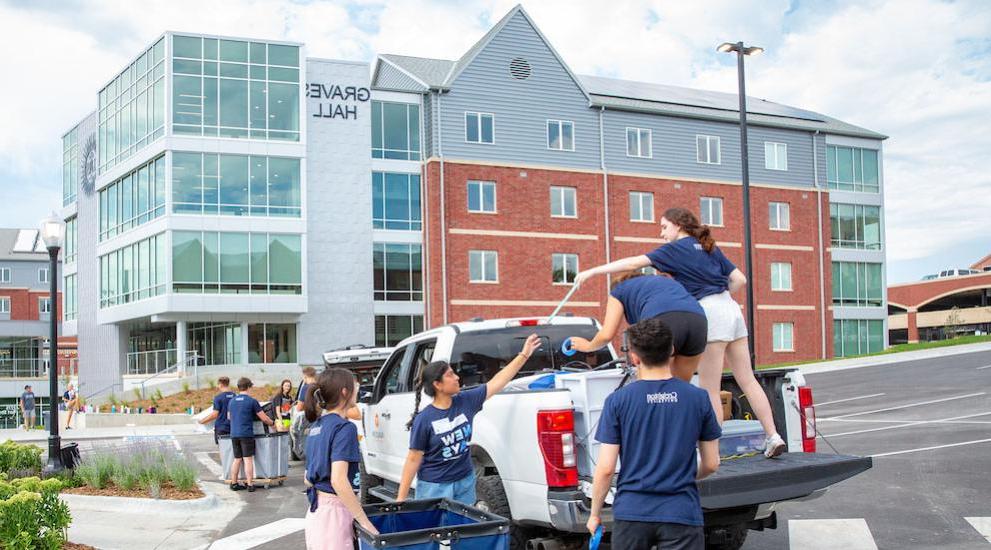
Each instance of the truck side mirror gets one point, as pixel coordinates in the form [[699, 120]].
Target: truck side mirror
[[365, 393]]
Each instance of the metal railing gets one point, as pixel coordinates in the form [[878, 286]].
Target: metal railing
[[190, 359], [151, 362], [23, 368]]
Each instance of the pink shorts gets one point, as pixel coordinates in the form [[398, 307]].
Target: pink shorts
[[329, 528]]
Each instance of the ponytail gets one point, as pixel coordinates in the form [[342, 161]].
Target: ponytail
[[433, 372], [688, 223], [333, 386]]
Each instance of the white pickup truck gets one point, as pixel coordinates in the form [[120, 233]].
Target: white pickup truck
[[534, 449]]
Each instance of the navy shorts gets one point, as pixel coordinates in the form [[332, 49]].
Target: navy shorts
[[244, 447], [689, 331]]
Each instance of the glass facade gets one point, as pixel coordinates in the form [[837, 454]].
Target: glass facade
[[392, 329], [857, 337], [857, 284], [855, 226], [71, 241], [69, 304], [236, 89], [398, 272], [395, 131], [236, 185], [134, 199], [236, 263], [215, 343], [396, 201], [70, 167], [134, 272], [852, 169], [272, 343], [132, 108]]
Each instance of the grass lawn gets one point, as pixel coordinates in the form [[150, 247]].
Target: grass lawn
[[960, 340]]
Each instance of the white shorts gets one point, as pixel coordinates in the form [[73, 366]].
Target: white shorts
[[725, 318]]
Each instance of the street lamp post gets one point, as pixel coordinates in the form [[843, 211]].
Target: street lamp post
[[52, 231], [741, 51]]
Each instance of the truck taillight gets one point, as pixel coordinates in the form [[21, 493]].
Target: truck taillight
[[556, 435], [808, 414]]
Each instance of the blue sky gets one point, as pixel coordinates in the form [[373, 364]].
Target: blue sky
[[916, 70]]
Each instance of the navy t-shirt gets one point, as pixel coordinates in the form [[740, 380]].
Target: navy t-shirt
[[701, 273], [27, 398], [221, 401], [243, 411], [648, 296], [331, 439], [657, 425], [444, 436]]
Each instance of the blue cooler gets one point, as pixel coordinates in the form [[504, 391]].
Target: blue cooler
[[741, 437], [427, 524]]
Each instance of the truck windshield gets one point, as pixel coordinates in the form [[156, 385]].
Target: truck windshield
[[478, 355]]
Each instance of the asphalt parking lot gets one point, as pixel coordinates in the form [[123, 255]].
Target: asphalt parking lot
[[926, 423]]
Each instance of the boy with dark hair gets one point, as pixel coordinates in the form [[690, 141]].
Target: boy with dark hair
[[222, 426], [242, 411], [653, 426]]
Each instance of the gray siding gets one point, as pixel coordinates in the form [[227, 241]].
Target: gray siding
[[427, 125], [24, 275], [521, 107], [390, 78]]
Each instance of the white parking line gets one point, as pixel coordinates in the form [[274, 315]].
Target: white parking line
[[848, 399], [984, 367], [259, 535], [830, 534], [983, 526], [961, 444], [899, 407], [909, 423], [905, 421], [211, 464]]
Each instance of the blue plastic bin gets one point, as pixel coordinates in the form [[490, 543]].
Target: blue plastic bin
[[425, 524]]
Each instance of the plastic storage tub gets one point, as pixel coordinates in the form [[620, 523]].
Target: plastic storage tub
[[588, 388], [741, 437], [271, 457], [432, 524]]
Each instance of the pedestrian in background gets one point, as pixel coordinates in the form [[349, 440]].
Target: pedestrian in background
[[27, 403], [283, 403], [70, 399], [221, 424]]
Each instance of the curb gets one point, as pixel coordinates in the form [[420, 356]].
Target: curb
[[143, 505]]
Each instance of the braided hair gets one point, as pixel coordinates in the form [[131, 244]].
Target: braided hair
[[688, 223], [434, 372]]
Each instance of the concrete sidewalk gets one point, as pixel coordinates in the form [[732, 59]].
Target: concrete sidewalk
[[891, 358], [84, 434]]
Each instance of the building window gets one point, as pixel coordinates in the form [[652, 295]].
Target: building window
[[4, 274], [392, 329], [779, 214], [483, 266], [561, 135], [857, 284], [396, 201], [236, 185], [236, 263], [638, 142], [712, 211], [135, 199], [132, 107], [70, 166], [641, 206], [857, 337], [482, 197], [134, 272], [235, 89], [707, 149], [272, 343], [395, 131], [43, 275], [69, 305], [564, 268], [44, 306], [852, 169], [775, 156], [215, 343], [479, 128], [4, 304], [780, 276], [855, 226], [398, 272], [784, 336], [70, 241], [564, 202]]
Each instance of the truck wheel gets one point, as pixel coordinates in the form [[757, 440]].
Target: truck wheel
[[730, 537], [366, 482], [491, 497]]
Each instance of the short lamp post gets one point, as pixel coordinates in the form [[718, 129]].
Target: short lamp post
[[52, 233], [741, 50]]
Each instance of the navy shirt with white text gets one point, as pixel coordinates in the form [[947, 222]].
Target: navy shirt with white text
[[701, 273], [243, 411], [220, 403], [444, 436]]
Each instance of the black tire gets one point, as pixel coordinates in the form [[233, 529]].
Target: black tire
[[491, 497], [730, 537], [367, 482]]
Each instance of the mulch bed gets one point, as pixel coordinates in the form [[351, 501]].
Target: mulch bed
[[77, 546], [181, 401], [168, 492]]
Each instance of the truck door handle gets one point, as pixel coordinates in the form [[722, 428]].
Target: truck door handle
[[386, 415]]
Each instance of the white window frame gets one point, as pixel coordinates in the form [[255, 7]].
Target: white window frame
[[481, 255], [560, 132], [640, 132], [43, 275], [564, 257], [774, 210], [563, 202], [4, 274], [708, 140], [478, 116], [482, 184], [4, 304], [772, 152], [777, 340], [639, 201], [41, 308], [777, 277], [702, 211]]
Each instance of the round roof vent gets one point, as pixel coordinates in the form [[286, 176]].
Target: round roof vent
[[519, 68]]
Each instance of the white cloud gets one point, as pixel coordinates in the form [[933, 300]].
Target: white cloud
[[917, 70]]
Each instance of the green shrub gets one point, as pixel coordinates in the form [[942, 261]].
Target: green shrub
[[182, 474], [33, 517], [125, 477], [137, 394], [113, 399], [158, 393], [97, 470], [185, 387], [211, 383], [16, 457]]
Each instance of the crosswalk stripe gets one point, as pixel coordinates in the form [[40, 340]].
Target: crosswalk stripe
[[830, 534], [259, 535], [211, 464], [983, 526]]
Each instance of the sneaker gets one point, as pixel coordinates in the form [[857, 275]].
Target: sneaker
[[237, 487], [774, 446], [251, 488]]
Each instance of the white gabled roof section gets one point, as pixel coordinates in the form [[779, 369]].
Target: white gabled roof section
[[380, 60]]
